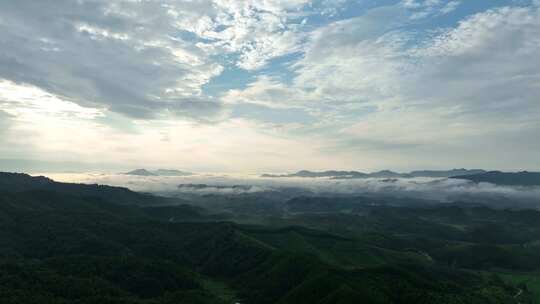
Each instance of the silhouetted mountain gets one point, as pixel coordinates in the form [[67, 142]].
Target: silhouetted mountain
[[196, 187], [385, 174], [171, 172], [19, 182], [140, 172], [505, 178], [158, 172], [332, 173], [378, 174], [449, 173]]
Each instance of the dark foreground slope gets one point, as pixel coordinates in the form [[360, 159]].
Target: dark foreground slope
[[19, 182], [57, 247]]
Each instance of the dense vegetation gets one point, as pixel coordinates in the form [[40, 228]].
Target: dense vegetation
[[58, 246]]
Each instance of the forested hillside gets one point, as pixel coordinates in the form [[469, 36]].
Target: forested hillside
[[64, 248]]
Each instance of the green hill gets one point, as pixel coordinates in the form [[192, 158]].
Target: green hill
[[58, 247]]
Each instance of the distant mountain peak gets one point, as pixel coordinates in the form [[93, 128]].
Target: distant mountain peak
[[386, 174], [171, 172], [380, 174], [140, 172], [522, 178], [158, 172]]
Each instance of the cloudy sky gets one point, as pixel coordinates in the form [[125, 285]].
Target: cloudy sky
[[271, 85]]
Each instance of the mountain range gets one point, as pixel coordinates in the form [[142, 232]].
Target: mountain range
[[379, 174], [523, 178], [158, 172]]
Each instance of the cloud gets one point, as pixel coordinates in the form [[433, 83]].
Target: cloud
[[459, 72], [13, 140], [437, 189], [333, 83], [430, 8], [445, 92], [268, 91], [450, 7], [25, 100], [342, 62], [122, 56], [4, 121], [143, 58], [254, 31]]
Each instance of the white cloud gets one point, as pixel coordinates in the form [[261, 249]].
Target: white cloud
[[30, 102], [346, 61], [450, 7], [381, 91], [268, 91], [465, 90], [256, 31], [143, 58], [428, 8], [123, 56]]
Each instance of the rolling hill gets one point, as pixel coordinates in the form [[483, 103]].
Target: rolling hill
[[62, 246]]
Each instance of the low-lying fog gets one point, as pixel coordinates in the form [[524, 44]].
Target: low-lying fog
[[443, 189]]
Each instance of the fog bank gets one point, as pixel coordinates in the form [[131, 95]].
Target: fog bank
[[442, 189]]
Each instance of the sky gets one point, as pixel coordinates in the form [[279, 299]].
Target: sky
[[270, 85]]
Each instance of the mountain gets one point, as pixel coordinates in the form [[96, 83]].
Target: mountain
[[140, 172], [379, 174], [197, 187], [449, 173], [171, 172], [385, 174], [159, 172], [19, 182], [333, 173], [505, 178]]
